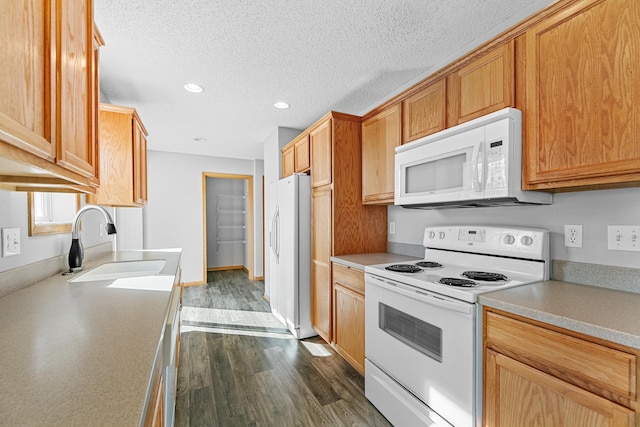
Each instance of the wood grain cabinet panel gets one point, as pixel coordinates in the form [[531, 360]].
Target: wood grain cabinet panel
[[348, 314], [302, 154], [381, 134], [288, 161], [520, 395], [47, 122], [425, 112], [27, 53], [485, 85], [321, 154], [76, 97], [321, 248], [537, 374], [582, 86], [123, 158]]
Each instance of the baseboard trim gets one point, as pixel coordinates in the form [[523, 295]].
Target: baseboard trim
[[227, 267], [194, 283]]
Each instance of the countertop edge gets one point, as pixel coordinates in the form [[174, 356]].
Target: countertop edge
[[525, 309]]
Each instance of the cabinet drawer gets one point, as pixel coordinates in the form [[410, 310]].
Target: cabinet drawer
[[605, 371], [349, 277]]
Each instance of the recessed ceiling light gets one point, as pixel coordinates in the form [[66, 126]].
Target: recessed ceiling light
[[194, 87], [281, 104], [200, 139]]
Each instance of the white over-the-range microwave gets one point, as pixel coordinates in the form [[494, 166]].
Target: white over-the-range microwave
[[477, 163]]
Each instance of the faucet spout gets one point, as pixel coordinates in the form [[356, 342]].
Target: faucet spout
[[76, 253]]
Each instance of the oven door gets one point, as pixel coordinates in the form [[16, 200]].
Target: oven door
[[425, 343]]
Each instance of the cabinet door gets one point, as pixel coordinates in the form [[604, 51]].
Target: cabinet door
[[321, 152], [75, 95], [425, 112], [28, 83], [321, 243], [288, 162], [139, 163], [302, 155], [381, 134], [582, 116], [483, 86], [519, 395], [348, 315]]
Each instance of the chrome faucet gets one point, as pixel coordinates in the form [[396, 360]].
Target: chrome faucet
[[76, 253]]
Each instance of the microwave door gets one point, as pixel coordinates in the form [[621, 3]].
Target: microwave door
[[446, 170]]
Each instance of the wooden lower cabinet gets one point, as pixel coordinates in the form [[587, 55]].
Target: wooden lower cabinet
[[538, 374], [348, 314]]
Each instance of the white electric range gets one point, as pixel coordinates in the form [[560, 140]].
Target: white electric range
[[423, 330]]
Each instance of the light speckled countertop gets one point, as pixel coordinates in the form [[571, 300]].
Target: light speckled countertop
[[359, 261], [610, 314], [81, 353]]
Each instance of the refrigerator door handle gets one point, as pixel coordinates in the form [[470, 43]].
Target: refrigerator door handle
[[277, 237]]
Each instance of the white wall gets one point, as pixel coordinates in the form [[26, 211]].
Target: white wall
[[173, 216], [272, 172], [258, 230], [14, 213], [129, 223], [593, 209]]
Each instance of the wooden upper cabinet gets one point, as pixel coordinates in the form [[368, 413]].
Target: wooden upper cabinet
[[425, 112], [302, 154], [48, 63], [321, 153], [123, 159], [582, 87], [381, 134], [27, 77], [75, 139], [288, 160], [484, 85], [296, 156]]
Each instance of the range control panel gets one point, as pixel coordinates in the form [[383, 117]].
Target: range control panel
[[530, 243]]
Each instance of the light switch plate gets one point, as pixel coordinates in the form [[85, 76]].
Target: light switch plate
[[623, 238], [10, 241]]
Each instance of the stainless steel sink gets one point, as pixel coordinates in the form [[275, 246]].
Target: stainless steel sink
[[121, 269]]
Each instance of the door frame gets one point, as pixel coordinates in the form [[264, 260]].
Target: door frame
[[249, 179]]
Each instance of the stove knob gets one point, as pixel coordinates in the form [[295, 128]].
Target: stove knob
[[526, 240], [432, 234], [441, 235], [509, 239]]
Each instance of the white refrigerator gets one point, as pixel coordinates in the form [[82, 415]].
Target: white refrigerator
[[290, 254]]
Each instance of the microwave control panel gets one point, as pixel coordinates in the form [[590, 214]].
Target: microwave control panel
[[496, 165]]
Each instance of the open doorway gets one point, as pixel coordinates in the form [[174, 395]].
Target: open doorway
[[227, 201]]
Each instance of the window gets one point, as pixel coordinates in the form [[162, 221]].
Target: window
[[51, 213]]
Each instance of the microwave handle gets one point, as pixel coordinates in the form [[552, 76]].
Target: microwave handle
[[478, 181]]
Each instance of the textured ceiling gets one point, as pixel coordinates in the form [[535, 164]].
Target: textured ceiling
[[340, 55]]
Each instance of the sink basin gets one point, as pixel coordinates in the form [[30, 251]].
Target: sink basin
[[122, 269]]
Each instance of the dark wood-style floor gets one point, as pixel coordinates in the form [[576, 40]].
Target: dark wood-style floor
[[239, 366]]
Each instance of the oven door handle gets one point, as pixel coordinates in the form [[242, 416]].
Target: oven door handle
[[421, 295]]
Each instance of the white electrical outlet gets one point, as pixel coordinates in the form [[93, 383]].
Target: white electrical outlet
[[623, 238], [10, 241], [573, 236], [392, 228]]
